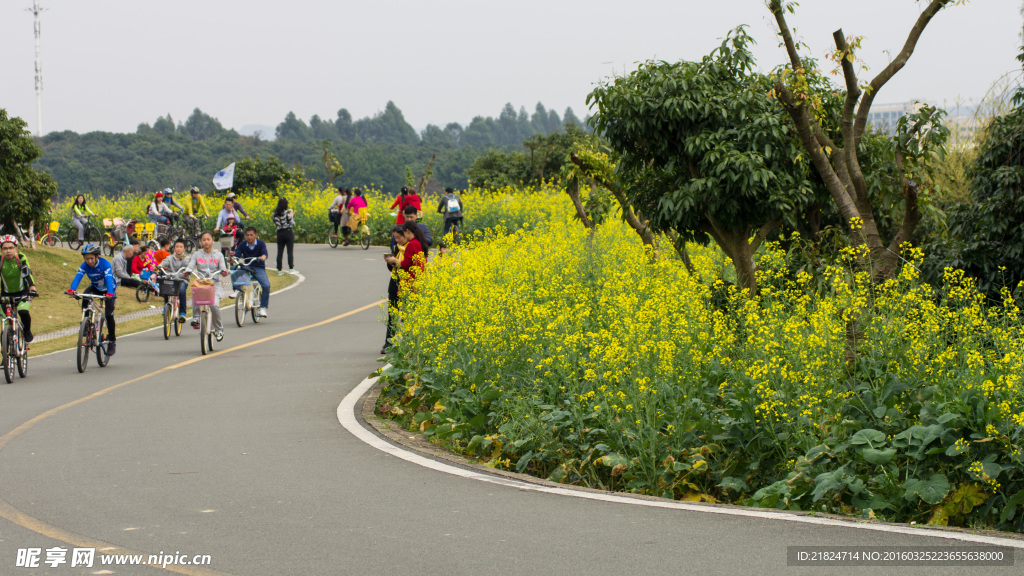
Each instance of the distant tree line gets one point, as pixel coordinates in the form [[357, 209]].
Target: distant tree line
[[376, 150]]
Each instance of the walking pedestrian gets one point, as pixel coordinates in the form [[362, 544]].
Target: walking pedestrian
[[284, 220]]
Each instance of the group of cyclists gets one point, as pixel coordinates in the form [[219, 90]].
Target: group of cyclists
[[346, 213], [172, 259]]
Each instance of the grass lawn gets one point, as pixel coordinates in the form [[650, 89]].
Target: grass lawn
[[54, 268]]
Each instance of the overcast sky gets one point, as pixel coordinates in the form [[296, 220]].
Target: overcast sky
[[111, 64]]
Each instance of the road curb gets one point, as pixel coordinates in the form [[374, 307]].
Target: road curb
[[360, 405]]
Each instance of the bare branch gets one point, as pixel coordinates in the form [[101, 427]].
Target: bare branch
[[787, 37], [897, 63]]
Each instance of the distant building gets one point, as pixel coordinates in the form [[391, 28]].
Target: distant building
[[883, 117]]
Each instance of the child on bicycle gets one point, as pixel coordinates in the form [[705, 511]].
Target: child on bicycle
[[207, 262], [176, 262], [103, 283], [16, 279]]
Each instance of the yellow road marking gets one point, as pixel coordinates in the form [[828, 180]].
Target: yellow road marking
[[15, 516]]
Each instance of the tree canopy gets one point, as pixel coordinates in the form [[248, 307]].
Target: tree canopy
[[24, 192], [374, 150], [703, 152]]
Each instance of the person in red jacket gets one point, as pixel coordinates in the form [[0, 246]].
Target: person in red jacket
[[405, 198], [414, 260]]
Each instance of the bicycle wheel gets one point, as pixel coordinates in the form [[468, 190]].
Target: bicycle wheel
[[84, 333], [364, 239], [332, 238], [169, 319], [22, 354], [102, 358], [177, 325], [190, 245], [257, 294], [203, 329], [7, 349], [142, 292], [73, 242], [240, 302]]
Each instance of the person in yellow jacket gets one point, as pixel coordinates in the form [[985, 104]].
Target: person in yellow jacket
[[194, 205]]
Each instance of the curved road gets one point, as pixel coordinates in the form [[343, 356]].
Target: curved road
[[240, 456]]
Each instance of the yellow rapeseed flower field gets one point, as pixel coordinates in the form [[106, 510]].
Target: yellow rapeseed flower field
[[582, 361]]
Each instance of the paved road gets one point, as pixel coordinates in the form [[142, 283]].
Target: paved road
[[241, 456]]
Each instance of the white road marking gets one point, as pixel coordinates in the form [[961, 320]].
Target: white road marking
[[348, 418]]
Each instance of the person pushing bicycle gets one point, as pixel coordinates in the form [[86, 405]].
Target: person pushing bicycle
[[16, 280], [103, 283]]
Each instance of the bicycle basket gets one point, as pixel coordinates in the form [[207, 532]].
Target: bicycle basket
[[54, 226], [240, 279], [203, 295], [169, 286]]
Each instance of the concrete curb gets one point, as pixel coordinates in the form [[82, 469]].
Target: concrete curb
[[358, 409]]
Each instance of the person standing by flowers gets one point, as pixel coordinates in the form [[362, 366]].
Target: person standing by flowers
[[407, 197], [284, 221]]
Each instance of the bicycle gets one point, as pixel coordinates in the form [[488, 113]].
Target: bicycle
[[92, 235], [332, 237], [204, 296], [13, 347], [92, 333], [147, 286], [51, 238], [118, 231], [169, 285], [248, 291]]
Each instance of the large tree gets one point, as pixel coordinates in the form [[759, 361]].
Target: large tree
[[702, 151], [836, 158], [24, 192]]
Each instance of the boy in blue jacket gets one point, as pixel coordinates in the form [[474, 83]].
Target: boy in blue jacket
[[253, 247], [101, 275]]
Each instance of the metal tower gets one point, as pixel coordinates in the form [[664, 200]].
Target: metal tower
[[35, 10]]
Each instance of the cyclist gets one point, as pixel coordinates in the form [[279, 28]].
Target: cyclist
[[357, 209], [238, 206], [253, 247], [451, 207], [80, 213], [193, 206], [171, 204], [16, 279], [208, 261], [336, 213], [176, 262], [228, 211], [158, 211], [101, 275]]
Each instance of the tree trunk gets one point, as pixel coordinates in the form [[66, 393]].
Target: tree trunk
[[573, 190], [32, 234], [684, 255]]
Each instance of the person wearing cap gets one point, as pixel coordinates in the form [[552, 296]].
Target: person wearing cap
[[159, 212], [16, 279], [238, 206]]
